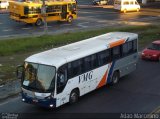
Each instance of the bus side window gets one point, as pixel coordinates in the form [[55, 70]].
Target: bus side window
[[104, 57], [87, 63], [116, 52], [130, 47], [94, 61], [75, 68], [125, 49], [61, 78], [134, 45]]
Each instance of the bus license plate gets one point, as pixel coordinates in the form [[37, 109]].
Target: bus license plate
[[35, 100]]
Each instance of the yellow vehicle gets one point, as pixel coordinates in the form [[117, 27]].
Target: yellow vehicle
[[32, 12]]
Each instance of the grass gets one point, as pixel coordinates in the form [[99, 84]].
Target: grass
[[14, 51], [23, 45]]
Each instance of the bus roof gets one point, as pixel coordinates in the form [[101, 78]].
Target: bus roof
[[58, 56], [39, 2]]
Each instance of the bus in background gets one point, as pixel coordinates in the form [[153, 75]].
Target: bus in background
[[60, 75], [126, 5], [30, 11]]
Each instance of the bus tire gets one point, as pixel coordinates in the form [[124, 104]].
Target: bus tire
[[70, 19], [74, 96], [39, 22], [137, 9], [115, 77], [125, 10]]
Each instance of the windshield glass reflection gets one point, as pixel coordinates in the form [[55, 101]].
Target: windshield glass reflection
[[39, 77]]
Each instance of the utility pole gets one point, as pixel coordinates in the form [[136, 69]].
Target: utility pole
[[43, 12]]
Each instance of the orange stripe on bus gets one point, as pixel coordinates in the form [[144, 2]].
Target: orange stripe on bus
[[117, 43], [103, 80]]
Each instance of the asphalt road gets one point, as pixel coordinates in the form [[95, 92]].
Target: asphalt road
[[89, 17], [138, 92]]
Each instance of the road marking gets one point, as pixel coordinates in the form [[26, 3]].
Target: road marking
[[6, 30], [10, 99], [42, 27], [65, 25], [26, 28], [103, 21], [82, 24], [49, 26]]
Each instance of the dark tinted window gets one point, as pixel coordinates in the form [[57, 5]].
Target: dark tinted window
[[90, 62], [135, 45], [129, 48], [125, 49], [104, 57], [83, 65], [55, 8], [75, 68], [116, 52]]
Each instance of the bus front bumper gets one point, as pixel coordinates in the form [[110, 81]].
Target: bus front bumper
[[48, 103]]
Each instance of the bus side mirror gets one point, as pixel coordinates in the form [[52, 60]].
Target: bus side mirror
[[19, 72]]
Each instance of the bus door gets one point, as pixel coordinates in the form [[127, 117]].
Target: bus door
[[61, 84], [64, 12]]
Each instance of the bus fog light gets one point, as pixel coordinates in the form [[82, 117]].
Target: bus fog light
[[23, 99], [51, 105]]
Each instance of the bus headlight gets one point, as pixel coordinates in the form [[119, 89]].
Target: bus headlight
[[23, 99], [51, 105]]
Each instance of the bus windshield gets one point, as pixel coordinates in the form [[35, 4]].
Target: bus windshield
[[38, 77]]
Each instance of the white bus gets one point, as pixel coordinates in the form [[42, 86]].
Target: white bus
[[60, 75]]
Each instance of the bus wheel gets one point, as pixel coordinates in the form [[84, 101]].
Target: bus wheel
[[38, 22], [124, 11], [115, 77], [70, 19], [74, 96], [137, 9]]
